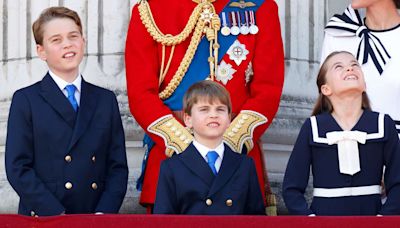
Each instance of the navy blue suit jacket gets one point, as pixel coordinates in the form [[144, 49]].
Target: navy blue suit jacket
[[61, 161], [187, 186]]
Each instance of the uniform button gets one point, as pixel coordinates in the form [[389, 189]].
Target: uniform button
[[209, 202], [94, 158], [32, 213], [229, 202], [68, 158], [68, 185], [94, 186]]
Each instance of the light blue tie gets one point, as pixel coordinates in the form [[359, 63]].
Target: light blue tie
[[71, 96], [211, 158]]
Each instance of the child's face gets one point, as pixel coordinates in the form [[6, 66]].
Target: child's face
[[208, 121], [63, 46], [344, 75]]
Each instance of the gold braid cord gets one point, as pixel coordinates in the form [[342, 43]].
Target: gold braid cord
[[203, 20]]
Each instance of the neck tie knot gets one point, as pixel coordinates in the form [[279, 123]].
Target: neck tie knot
[[71, 96], [211, 158]]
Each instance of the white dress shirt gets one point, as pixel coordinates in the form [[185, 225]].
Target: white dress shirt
[[62, 84], [203, 150]]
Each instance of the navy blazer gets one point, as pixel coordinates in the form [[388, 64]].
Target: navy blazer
[[58, 160], [187, 185]]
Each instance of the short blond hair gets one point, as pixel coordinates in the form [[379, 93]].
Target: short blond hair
[[50, 14]]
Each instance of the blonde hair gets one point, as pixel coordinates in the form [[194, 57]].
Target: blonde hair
[[323, 104], [206, 89], [50, 14]]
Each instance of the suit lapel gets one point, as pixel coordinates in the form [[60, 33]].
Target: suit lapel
[[52, 94], [229, 165], [86, 110], [196, 163]]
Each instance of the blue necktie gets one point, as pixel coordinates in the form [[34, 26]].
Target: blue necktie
[[71, 96], [211, 158]]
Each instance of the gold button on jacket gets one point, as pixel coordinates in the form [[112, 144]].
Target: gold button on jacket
[[68, 158], [209, 202], [94, 158], [68, 185], [229, 202], [94, 186]]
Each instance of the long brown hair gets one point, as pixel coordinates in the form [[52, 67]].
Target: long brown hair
[[323, 104]]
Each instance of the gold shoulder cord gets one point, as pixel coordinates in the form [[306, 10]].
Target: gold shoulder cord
[[203, 20]]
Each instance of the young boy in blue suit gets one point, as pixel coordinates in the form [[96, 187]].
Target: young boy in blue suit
[[65, 148], [208, 178]]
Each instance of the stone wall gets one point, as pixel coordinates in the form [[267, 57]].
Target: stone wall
[[105, 25]]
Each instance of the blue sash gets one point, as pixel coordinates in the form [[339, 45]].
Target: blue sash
[[199, 69]]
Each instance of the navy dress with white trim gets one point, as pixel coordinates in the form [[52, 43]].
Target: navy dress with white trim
[[337, 193]]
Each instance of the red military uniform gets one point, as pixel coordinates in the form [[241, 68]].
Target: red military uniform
[[254, 81]]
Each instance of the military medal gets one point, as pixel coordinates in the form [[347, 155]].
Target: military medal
[[225, 72], [237, 52], [244, 29], [242, 4], [225, 30], [253, 27], [234, 29]]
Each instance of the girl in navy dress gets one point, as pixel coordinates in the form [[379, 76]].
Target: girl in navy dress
[[346, 146]]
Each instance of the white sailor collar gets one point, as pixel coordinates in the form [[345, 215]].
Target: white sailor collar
[[370, 126], [371, 123]]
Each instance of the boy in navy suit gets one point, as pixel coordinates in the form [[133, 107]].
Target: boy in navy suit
[[65, 148], [208, 178]]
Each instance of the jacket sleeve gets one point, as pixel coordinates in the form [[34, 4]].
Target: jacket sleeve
[[392, 163], [117, 168], [255, 203], [265, 88], [268, 65], [19, 157], [166, 201], [297, 174], [142, 70]]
